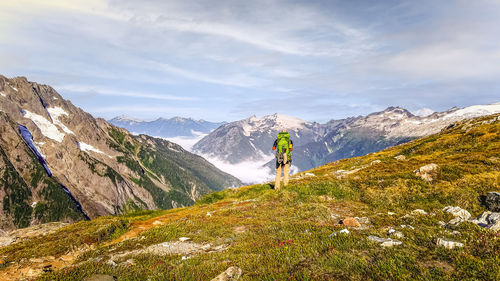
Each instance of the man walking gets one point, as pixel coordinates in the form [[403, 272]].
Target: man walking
[[284, 147]]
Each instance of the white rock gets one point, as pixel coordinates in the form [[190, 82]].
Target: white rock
[[391, 213], [400, 158], [343, 231], [448, 244], [182, 239], [457, 212], [427, 172], [375, 162], [419, 212], [398, 234], [385, 242], [406, 226], [496, 226]]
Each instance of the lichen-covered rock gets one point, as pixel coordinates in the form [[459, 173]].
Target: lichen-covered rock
[[457, 212], [428, 172], [231, 274], [491, 201], [460, 215], [385, 242], [489, 220], [419, 212], [400, 158], [448, 244], [349, 221]]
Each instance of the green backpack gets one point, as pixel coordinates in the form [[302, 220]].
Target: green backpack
[[283, 146]]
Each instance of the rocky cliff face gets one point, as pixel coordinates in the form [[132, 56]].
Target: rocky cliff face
[[58, 163]]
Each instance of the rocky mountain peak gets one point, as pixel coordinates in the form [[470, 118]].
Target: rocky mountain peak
[[59, 163]]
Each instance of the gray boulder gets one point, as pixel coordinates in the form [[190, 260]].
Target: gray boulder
[[491, 201], [489, 220]]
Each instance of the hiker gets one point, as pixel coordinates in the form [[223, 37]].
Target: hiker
[[284, 147]]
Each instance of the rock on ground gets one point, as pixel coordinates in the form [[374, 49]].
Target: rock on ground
[[400, 158], [428, 172], [457, 212], [491, 201], [460, 214], [397, 234], [489, 220], [350, 222], [419, 212], [385, 242], [231, 274], [448, 244]]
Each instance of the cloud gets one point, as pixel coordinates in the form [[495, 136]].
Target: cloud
[[248, 172], [187, 142], [97, 90], [322, 59], [239, 80]]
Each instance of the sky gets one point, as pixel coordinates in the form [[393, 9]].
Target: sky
[[226, 60]]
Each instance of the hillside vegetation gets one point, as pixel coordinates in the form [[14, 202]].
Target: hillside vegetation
[[294, 233]]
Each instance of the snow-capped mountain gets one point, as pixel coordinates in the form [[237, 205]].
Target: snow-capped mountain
[[166, 128], [251, 138], [244, 147]]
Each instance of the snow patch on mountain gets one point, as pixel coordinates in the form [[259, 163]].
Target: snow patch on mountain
[[55, 114], [271, 122], [423, 112], [47, 128], [88, 148], [474, 111]]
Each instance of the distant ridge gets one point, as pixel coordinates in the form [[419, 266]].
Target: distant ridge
[[166, 128]]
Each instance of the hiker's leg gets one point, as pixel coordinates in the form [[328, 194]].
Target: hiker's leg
[[278, 177], [286, 170]]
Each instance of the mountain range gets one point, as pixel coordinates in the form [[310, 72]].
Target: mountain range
[[247, 143], [58, 163], [166, 128]]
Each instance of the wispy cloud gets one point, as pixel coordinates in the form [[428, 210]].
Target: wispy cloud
[[96, 90]]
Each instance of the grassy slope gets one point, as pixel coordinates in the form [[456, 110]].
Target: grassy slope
[[285, 235]]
